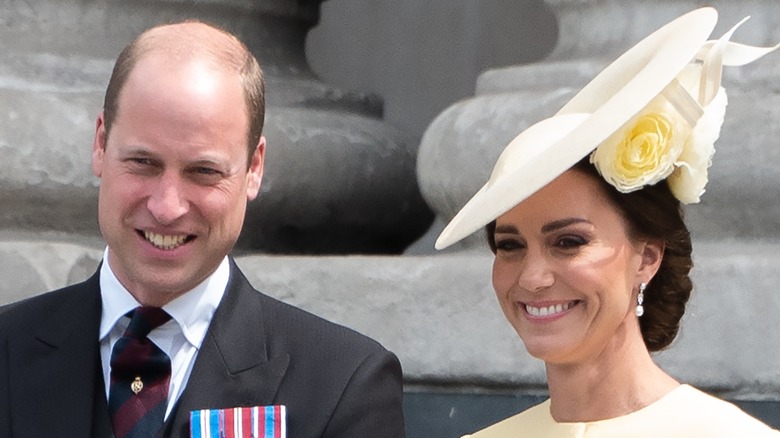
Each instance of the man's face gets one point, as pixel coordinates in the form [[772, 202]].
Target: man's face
[[174, 178]]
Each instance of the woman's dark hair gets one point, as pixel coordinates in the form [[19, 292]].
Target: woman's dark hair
[[651, 213]]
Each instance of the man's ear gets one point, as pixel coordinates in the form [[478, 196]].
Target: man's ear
[[255, 173], [652, 252], [99, 146]]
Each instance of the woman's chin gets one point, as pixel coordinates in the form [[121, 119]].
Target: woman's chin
[[549, 352]]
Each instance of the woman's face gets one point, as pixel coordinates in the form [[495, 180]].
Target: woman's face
[[566, 272]]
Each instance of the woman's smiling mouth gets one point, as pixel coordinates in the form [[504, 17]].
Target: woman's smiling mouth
[[549, 310]]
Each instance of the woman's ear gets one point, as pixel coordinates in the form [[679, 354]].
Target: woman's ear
[[652, 253]]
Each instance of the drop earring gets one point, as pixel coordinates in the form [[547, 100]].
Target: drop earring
[[640, 298]]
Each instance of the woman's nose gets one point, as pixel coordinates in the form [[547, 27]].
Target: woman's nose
[[535, 273]]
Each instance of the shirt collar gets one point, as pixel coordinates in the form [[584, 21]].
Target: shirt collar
[[192, 311]]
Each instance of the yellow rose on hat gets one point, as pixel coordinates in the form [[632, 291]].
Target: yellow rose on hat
[[659, 143], [645, 150]]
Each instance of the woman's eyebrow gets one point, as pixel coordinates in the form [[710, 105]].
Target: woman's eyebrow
[[563, 223], [508, 229]]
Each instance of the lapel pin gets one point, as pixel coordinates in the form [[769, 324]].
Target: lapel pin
[[137, 385]]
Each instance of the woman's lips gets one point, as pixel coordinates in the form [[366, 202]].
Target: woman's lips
[[548, 310]]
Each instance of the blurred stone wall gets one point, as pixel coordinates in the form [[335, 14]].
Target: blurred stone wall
[[421, 56]]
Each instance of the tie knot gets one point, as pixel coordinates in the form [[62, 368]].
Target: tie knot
[[145, 319]]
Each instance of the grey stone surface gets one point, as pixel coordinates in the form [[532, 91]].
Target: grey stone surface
[[359, 196], [440, 315], [422, 56], [729, 334], [20, 275], [30, 267], [589, 29]]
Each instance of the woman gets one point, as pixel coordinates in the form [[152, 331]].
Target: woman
[[592, 256]]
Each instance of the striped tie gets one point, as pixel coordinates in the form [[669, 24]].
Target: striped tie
[[140, 373]]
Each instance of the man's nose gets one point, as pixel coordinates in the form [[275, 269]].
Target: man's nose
[[166, 202]]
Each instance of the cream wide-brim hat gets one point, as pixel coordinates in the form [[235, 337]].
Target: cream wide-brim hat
[[547, 149]]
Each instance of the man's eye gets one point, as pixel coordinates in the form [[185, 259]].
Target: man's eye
[[206, 171], [141, 161], [143, 165]]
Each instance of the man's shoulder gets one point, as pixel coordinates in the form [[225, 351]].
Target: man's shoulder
[[305, 327], [20, 315], [337, 381], [297, 327]]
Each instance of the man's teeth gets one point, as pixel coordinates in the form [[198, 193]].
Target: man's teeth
[[548, 310], [164, 242]]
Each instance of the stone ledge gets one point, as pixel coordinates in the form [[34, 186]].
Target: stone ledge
[[439, 314]]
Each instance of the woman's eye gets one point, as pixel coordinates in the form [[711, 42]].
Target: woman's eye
[[508, 245], [570, 242]]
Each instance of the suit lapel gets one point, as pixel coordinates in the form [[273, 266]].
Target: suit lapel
[[233, 367], [61, 369]]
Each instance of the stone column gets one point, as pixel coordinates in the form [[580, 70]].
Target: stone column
[[337, 178]]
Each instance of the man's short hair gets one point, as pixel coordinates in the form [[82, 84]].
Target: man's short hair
[[212, 43]]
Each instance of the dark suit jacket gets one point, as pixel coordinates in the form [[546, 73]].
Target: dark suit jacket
[[257, 351]]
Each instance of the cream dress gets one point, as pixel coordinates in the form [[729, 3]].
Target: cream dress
[[683, 412]]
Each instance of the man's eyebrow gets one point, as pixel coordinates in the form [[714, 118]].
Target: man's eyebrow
[[137, 150]]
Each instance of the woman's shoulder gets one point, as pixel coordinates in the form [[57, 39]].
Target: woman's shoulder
[[706, 412], [684, 412]]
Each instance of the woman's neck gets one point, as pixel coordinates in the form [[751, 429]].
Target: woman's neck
[[621, 380]]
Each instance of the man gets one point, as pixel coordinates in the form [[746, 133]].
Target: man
[[179, 151]]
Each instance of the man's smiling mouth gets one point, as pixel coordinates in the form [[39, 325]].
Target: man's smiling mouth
[[165, 242]]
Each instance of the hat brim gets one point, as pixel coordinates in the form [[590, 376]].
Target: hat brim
[[549, 148]]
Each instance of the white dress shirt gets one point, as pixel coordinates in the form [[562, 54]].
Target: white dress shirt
[[180, 338]]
